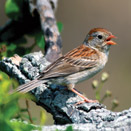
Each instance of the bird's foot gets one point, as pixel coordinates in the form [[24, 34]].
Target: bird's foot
[[86, 100], [90, 101]]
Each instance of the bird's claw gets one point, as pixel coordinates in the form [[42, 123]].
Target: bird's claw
[[86, 101]]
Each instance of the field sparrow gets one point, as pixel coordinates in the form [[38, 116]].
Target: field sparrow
[[78, 64]]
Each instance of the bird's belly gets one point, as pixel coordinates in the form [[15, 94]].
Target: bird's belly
[[77, 77], [83, 75]]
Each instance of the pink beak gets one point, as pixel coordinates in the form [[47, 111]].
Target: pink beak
[[109, 42]]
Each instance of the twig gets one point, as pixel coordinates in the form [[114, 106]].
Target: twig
[[28, 110], [51, 33]]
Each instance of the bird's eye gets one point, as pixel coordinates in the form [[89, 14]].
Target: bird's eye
[[100, 36]]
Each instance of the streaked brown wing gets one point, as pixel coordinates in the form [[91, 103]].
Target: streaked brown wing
[[79, 59]]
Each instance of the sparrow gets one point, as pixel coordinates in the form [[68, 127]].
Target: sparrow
[[78, 64]]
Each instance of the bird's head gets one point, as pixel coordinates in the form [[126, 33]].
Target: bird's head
[[100, 39]]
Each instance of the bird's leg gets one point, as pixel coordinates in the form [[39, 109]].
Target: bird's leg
[[79, 94]]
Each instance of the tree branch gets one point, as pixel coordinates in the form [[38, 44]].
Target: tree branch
[[34, 13], [50, 30]]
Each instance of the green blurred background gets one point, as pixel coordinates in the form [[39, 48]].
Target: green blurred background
[[78, 17]]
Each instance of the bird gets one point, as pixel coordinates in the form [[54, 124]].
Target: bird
[[77, 65]]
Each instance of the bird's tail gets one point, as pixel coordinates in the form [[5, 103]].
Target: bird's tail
[[29, 86]]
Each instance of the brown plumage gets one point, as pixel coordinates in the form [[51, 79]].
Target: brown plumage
[[99, 30]]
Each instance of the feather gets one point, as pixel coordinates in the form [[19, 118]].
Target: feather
[[29, 86]]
